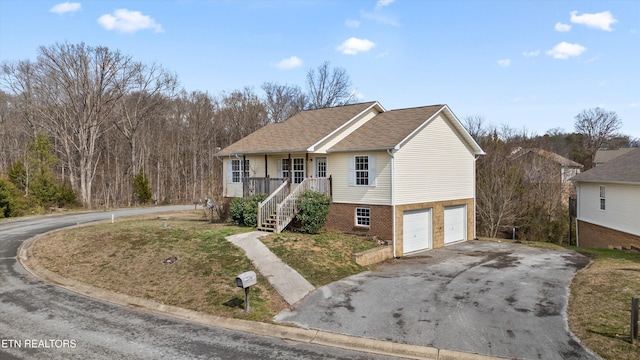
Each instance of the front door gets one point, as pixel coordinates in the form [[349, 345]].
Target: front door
[[321, 167]]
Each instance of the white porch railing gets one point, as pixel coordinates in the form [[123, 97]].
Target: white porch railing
[[287, 209], [269, 206]]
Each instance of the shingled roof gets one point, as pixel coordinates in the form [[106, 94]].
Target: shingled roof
[[557, 158], [305, 130], [622, 169], [386, 130], [297, 133]]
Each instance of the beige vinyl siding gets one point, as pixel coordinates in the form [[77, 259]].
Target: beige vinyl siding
[[435, 165], [322, 148], [256, 168], [338, 168], [621, 211]]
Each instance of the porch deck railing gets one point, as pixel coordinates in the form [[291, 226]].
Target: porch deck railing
[[269, 206], [260, 185], [287, 209]]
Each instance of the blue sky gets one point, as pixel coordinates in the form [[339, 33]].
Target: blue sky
[[533, 65]]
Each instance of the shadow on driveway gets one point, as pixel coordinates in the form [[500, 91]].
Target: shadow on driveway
[[488, 298]]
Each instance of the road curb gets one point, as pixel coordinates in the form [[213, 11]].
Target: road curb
[[311, 336]]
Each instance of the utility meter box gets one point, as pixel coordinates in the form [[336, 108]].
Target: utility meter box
[[246, 279]]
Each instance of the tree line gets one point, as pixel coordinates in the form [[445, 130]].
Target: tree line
[[105, 119], [530, 200]]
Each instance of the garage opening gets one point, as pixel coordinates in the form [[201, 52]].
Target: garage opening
[[455, 223], [416, 230]]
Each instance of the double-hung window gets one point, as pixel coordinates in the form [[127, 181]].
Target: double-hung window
[[603, 201], [239, 169], [297, 176], [363, 216], [362, 170]]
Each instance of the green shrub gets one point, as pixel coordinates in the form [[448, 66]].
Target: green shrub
[[236, 211], [12, 202], [313, 210], [141, 189], [245, 211]]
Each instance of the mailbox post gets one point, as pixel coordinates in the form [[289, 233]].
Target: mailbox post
[[245, 281]]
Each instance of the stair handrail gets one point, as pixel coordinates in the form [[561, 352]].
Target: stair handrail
[[288, 208], [269, 205]]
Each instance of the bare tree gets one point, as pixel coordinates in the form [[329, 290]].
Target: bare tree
[[328, 87], [282, 101], [475, 126], [70, 92], [498, 186], [149, 90], [597, 126]]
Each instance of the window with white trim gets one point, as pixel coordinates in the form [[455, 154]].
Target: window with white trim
[[239, 169], [363, 217], [603, 201], [362, 170], [298, 169]]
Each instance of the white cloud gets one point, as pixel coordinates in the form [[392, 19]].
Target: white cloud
[[565, 50], [562, 27], [65, 7], [289, 63], [602, 20], [127, 21], [353, 45], [382, 3], [504, 62], [352, 23], [531, 53]]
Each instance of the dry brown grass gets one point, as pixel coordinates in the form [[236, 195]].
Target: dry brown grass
[[127, 257], [600, 303]]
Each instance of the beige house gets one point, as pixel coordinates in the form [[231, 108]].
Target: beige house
[[406, 176]]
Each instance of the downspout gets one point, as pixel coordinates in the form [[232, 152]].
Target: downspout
[[577, 214], [393, 203], [475, 160]]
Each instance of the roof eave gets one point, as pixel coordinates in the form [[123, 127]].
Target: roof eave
[[601, 181]]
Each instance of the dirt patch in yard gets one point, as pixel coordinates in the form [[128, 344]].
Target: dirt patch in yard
[[177, 259]]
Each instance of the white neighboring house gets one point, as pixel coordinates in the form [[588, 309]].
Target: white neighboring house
[[406, 175], [609, 203]]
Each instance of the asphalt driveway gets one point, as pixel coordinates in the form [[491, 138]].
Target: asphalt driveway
[[481, 297]]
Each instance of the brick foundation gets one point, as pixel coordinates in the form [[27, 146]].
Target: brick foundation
[[596, 236], [342, 218]]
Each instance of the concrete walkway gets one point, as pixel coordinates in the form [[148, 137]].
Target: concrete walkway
[[287, 282]]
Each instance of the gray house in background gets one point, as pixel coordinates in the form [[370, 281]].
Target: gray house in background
[[608, 203]]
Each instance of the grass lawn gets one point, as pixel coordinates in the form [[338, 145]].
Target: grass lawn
[[127, 257], [322, 258], [600, 303]]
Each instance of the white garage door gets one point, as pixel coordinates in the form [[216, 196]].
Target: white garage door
[[455, 223], [416, 230]]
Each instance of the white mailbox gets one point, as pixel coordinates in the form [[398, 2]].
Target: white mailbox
[[246, 279]]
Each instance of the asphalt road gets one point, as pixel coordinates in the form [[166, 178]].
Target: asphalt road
[[41, 321], [495, 299]]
